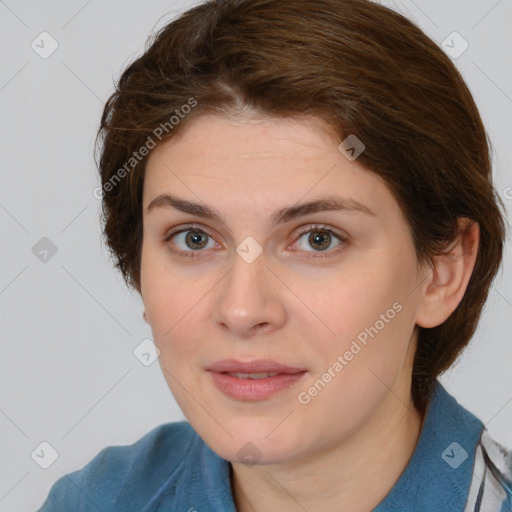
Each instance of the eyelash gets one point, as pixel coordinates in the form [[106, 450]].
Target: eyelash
[[310, 228]]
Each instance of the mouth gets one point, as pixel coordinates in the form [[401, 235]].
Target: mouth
[[255, 367], [253, 376], [254, 380]]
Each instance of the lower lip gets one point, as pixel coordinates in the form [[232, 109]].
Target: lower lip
[[254, 389]]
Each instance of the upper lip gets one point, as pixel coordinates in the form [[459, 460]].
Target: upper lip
[[256, 366]]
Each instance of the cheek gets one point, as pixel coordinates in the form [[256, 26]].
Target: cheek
[[172, 300], [354, 301], [370, 320], [162, 294]]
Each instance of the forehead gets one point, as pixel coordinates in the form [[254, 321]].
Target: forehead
[[255, 161], [215, 137]]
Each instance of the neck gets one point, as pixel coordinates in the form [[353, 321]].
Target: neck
[[358, 472]]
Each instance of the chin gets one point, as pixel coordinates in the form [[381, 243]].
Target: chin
[[254, 441]]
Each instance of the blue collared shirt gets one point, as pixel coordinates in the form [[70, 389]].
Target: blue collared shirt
[[456, 466]]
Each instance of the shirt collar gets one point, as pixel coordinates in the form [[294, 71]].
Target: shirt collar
[[439, 473]]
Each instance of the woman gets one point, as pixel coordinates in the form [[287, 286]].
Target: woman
[[302, 194]]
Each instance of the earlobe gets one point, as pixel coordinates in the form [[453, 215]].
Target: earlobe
[[145, 316], [450, 276]]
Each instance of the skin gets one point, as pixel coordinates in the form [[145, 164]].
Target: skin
[[294, 304]]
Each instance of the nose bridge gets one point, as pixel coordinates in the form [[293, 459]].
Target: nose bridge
[[248, 298], [245, 288]]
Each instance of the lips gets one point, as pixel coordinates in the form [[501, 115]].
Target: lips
[[253, 380], [261, 366]]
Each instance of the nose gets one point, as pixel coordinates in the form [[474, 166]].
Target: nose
[[250, 299]]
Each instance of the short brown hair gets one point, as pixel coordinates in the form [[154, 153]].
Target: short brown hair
[[362, 68]]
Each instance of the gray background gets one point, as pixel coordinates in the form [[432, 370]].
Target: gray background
[[69, 326]]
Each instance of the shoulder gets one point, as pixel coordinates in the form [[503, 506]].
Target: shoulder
[[117, 473]]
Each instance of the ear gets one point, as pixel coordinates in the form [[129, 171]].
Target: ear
[[450, 276]]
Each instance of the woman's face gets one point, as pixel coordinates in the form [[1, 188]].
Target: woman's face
[[255, 285]]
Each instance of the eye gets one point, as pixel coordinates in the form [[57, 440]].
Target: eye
[[191, 240], [320, 238]]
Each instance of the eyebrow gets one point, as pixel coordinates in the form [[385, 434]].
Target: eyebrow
[[328, 203]]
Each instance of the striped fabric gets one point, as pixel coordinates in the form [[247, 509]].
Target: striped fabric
[[491, 483]]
